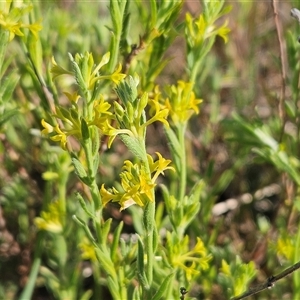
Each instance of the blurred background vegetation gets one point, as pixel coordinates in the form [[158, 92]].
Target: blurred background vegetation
[[251, 208]]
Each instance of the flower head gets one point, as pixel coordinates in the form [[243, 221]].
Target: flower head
[[181, 102], [50, 219], [190, 261], [10, 19], [137, 184], [87, 250]]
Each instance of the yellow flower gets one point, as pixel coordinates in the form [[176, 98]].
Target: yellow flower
[[198, 30], [161, 114], [190, 261], [102, 116], [57, 70], [225, 268], [73, 98], [60, 137], [181, 102], [158, 166], [50, 220], [138, 186], [116, 76], [47, 127], [10, 19], [87, 250], [286, 248]]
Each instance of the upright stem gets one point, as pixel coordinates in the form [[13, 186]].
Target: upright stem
[[149, 223], [181, 134], [96, 197], [30, 285]]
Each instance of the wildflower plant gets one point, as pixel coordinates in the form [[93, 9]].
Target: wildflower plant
[[91, 101]]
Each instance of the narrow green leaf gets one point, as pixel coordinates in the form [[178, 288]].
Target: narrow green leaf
[[160, 294], [140, 263], [175, 147], [80, 171], [7, 115], [95, 142], [105, 262], [7, 87], [83, 205], [4, 38], [106, 228], [195, 193], [36, 55], [136, 293], [85, 227], [116, 240], [113, 287]]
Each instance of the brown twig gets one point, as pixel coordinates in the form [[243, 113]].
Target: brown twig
[[135, 50], [269, 283], [281, 109]]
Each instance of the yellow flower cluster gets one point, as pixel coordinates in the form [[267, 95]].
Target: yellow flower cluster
[[50, 220], [181, 102], [191, 262], [10, 19], [130, 118], [136, 183], [72, 118], [200, 30]]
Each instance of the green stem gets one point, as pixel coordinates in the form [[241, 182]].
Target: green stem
[[117, 10], [149, 223], [30, 285], [182, 186], [194, 70], [96, 197]]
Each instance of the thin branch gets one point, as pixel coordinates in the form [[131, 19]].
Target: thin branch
[[283, 60], [269, 283]]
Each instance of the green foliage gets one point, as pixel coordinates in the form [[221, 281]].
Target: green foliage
[[94, 109]]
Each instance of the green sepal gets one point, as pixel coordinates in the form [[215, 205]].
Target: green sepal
[[161, 292], [84, 130], [127, 90]]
